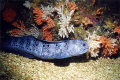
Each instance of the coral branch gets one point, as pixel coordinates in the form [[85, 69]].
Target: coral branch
[[87, 21], [117, 30], [72, 6], [98, 12], [38, 15], [93, 2], [21, 31], [46, 30]]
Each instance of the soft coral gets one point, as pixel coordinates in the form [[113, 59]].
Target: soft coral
[[109, 46], [20, 31], [117, 30], [49, 23], [8, 14], [38, 15]]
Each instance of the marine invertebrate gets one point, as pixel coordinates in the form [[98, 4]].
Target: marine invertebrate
[[47, 35], [93, 2], [117, 30], [50, 24], [34, 31], [27, 4], [42, 15], [20, 31], [93, 43], [65, 26], [98, 12], [47, 11], [72, 6], [87, 22], [46, 30], [109, 46], [38, 15], [8, 14]]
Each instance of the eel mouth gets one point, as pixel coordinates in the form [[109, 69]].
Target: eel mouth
[[86, 49]]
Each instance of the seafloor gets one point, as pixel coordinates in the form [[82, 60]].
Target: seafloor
[[15, 67]]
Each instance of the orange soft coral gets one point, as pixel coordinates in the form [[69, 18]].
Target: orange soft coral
[[8, 14], [15, 24], [93, 2], [15, 32], [98, 12], [86, 21], [117, 30], [72, 6], [115, 49], [46, 30], [20, 31], [49, 23], [38, 15], [109, 46], [47, 35]]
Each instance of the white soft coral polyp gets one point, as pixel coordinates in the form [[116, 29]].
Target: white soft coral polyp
[[93, 44], [64, 22]]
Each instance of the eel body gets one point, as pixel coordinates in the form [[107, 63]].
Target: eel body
[[32, 47]]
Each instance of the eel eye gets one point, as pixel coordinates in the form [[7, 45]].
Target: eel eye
[[83, 44]]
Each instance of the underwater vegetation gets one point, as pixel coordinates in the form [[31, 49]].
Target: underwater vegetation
[[67, 20]]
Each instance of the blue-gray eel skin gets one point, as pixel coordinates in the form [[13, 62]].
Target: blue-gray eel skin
[[31, 47]]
